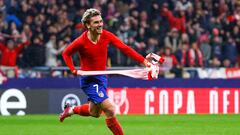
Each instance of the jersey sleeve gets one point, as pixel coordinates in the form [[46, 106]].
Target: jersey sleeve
[[125, 48], [2, 47], [71, 49], [21, 46]]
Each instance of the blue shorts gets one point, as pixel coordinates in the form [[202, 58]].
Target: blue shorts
[[95, 87]]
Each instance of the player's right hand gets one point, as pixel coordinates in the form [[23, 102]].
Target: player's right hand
[[77, 72], [74, 72]]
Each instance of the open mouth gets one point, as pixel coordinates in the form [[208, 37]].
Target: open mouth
[[99, 28]]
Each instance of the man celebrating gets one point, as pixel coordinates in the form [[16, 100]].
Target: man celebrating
[[92, 49]]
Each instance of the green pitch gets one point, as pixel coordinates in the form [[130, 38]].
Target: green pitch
[[132, 125]]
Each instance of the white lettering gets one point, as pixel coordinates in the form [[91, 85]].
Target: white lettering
[[163, 102], [177, 101], [236, 102], [213, 106], [149, 97], [233, 74], [20, 104], [225, 101], [191, 102]]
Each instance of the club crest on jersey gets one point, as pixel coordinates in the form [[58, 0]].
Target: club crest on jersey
[[100, 94]]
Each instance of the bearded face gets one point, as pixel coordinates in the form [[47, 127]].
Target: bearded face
[[95, 25]]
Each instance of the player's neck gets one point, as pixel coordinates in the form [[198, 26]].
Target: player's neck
[[93, 37]]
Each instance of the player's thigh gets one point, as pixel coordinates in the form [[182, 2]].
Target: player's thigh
[[95, 109], [108, 107]]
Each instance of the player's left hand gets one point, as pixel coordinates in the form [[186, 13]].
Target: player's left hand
[[153, 66], [153, 70], [152, 56]]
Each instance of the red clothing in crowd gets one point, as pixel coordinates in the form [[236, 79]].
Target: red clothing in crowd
[[94, 56], [195, 58], [9, 56], [170, 61], [184, 58], [175, 22]]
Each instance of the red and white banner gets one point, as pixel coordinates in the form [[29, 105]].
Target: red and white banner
[[232, 72], [175, 100]]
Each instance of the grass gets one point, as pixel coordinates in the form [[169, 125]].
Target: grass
[[132, 125]]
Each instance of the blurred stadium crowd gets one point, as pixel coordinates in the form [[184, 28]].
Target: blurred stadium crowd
[[188, 33]]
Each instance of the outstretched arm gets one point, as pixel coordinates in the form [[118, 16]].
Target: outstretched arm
[[151, 66], [21, 46], [127, 50], [2, 47]]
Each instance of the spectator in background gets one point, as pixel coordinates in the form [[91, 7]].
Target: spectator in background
[[52, 51], [190, 13], [217, 43], [198, 30], [171, 65], [184, 38], [141, 36], [195, 56], [154, 11], [230, 52], [133, 44], [192, 34], [62, 45], [152, 45], [11, 17], [172, 40], [227, 63], [215, 62], [26, 33], [111, 12], [143, 19], [10, 52], [14, 31], [2, 8], [236, 36], [123, 33], [182, 5], [205, 49], [178, 22], [35, 53], [155, 31], [78, 30], [71, 11], [217, 48], [182, 55]]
